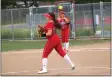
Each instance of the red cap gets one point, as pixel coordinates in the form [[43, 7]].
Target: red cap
[[47, 15]]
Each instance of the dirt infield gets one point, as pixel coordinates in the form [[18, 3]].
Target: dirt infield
[[91, 59]]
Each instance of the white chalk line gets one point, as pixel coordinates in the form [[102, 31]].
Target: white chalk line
[[59, 69], [75, 50], [90, 49]]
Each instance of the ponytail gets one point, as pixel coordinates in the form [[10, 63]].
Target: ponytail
[[56, 23]]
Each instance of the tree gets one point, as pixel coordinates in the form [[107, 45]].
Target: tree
[[28, 3], [12, 3], [32, 2], [5, 3]]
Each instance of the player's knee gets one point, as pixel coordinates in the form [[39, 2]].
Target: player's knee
[[63, 53], [63, 40], [66, 40], [44, 56]]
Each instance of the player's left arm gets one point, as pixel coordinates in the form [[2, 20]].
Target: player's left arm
[[49, 32]]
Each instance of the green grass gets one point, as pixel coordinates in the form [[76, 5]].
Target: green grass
[[6, 33], [18, 33], [106, 27], [19, 45], [25, 33], [84, 32], [7, 22]]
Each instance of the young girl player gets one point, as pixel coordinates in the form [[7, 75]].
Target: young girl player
[[53, 42], [65, 23]]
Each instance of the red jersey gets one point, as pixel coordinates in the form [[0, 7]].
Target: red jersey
[[63, 23], [65, 29], [50, 25]]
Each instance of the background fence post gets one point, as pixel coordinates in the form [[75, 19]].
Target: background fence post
[[50, 9], [31, 31], [92, 12], [84, 19], [73, 22], [12, 25], [101, 19]]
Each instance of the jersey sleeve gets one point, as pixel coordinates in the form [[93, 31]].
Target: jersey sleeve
[[49, 26]]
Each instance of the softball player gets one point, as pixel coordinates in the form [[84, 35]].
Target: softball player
[[65, 22], [53, 42]]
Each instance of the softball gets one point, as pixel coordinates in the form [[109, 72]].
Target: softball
[[60, 7]]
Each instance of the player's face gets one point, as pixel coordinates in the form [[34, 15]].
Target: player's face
[[48, 19], [62, 15]]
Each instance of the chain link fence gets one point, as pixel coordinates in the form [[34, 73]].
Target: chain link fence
[[92, 19], [86, 19]]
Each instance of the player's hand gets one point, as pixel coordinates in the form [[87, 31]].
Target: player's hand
[[66, 20]]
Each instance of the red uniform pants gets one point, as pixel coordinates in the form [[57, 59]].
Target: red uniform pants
[[65, 35], [53, 42]]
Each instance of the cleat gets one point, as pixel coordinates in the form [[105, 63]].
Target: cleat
[[42, 72], [67, 50], [73, 67]]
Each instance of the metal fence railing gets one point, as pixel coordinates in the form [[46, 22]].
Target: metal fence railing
[[92, 19]]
